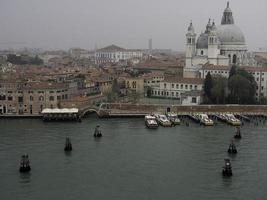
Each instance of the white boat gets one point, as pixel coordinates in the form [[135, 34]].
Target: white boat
[[231, 119], [151, 121], [173, 118], [163, 120], [204, 119]]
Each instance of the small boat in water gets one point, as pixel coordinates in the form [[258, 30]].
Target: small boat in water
[[173, 118], [97, 132], [231, 119], [227, 168], [205, 120], [151, 121], [163, 120], [24, 163]]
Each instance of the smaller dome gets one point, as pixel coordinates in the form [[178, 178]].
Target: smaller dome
[[191, 28], [202, 41]]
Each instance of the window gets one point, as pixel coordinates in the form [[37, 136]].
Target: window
[[202, 52], [165, 85], [186, 87], [195, 87], [177, 86], [172, 94], [191, 87], [51, 98], [58, 97], [3, 97], [172, 85], [194, 100], [10, 98], [20, 99], [31, 98], [182, 86], [41, 98]]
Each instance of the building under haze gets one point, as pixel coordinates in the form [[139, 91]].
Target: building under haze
[[115, 54], [218, 45]]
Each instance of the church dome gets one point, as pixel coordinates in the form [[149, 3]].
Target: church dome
[[202, 41], [230, 34]]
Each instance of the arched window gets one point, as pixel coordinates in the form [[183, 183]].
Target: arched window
[[202, 52], [41, 98], [234, 59]]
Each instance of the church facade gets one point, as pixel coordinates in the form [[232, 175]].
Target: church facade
[[223, 45]]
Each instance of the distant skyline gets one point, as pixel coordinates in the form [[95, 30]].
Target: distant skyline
[[63, 24]]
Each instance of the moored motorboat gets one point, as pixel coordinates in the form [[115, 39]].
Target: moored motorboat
[[163, 120], [205, 120], [231, 119], [151, 121], [173, 118]]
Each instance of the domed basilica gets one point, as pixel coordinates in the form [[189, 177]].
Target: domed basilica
[[218, 45]]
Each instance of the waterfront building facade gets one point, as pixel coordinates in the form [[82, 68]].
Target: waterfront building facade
[[21, 97], [184, 89]]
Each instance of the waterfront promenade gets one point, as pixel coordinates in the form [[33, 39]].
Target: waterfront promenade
[[138, 110], [117, 109]]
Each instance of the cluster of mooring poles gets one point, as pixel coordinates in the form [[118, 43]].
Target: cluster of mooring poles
[[227, 168], [25, 161]]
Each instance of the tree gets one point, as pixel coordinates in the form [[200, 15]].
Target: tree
[[242, 87], [240, 90], [208, 86], [219, 90], [232, 71]]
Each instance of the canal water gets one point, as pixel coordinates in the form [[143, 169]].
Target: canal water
[[130, 161]]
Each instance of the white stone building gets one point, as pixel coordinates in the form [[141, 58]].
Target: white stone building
[[114, 54], [187, 90], [214, 70], [223, 45], [260, 76]]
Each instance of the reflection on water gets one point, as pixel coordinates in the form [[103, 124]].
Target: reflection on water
[[130, 161], [25, 178]]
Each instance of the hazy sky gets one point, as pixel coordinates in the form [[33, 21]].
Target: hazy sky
[[55, 24]]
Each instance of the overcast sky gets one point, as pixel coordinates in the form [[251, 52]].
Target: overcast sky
[[61, 24]]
